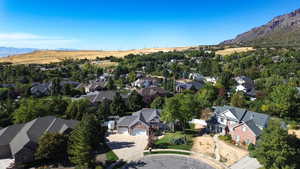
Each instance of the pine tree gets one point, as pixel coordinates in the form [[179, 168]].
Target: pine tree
[[83, 141]]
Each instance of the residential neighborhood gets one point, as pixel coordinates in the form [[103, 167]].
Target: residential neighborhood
[[149, 84]]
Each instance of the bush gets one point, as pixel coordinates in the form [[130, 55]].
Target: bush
[[179, 141], [293, 125], [251, 148], [226, 138]]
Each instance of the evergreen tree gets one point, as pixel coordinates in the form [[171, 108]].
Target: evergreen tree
[[84, 139], [135, 101], [118, 106]]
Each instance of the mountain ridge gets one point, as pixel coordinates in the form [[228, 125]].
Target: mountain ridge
[[282, 30]]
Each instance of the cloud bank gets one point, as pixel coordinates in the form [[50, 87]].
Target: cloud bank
[[28, 40]]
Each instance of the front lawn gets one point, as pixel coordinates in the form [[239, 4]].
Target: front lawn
[[170, 139]]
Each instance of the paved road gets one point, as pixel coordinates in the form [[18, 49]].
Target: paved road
[[168, 162], [246, 163]]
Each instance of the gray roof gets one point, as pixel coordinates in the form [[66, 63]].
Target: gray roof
[[144, 115], [99, 96], [16, 137], [252, 119], [251, 124]]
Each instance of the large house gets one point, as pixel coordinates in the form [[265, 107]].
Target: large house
[[146, 82], [20, 141], [99, 96], [246, 85], [139, 122], [150, 93], [193, 85], [244, 126]]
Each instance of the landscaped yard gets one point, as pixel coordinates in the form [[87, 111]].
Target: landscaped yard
[[170, 139]]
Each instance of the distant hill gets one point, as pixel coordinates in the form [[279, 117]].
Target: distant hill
[[8, 51], [283, 30], [48, 56]]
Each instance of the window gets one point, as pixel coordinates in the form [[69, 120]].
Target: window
[[244, 128], [222, 119]]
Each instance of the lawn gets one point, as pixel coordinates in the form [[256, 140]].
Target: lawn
[[167, 141]]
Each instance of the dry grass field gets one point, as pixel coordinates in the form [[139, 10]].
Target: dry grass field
[[48, 56], [233, 50]]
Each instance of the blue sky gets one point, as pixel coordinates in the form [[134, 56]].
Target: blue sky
[[131, 24]]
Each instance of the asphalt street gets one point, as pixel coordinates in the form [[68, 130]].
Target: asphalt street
[[168, 162]]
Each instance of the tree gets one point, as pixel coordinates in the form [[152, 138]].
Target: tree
[[206, 96], [158, 103], [77, 108], [84, 139], [55, 88], [7, 107], [135, 101], [52, 146], [277, 149], [30, 109], [284, 101], [238, 100], [104, 110], [118, 106], [111, 84], [181, 107]]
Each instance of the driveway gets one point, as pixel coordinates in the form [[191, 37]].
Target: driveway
[[167, 162], [127, 147], [246, 163]]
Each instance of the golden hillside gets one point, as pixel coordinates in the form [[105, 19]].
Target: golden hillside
[[48, 56], [230, 51]]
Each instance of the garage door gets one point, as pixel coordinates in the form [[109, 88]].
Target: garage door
[[137, 131], [123, 130]]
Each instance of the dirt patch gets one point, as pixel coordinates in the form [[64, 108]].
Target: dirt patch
[[204, 144], [295, 132], [230, 153]]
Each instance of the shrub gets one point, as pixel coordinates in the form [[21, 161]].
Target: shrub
[[251, 148], [178, 141], [293, 125], [226, 138]]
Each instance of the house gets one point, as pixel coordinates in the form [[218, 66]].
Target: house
[[246, 85], [244, 126], [95, 85], [212, 80], [150, 93], [100, 96], [105, 77], [196, 77], [181, 86], [41, 89], [20, 141], [146, 82], [140, 122]]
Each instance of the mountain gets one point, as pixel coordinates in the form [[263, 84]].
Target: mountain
[[8, 51], [283, 30]]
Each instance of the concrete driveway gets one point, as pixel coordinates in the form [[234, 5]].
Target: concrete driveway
[[167, 162], [127, 147], [246, 163]]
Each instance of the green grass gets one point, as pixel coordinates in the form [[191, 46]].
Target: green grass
[[111, 156], [166, 141], [167, 152]]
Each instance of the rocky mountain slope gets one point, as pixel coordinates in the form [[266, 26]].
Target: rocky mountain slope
[[283, 30]]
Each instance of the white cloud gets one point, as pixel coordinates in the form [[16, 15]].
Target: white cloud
[[27, 40]]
